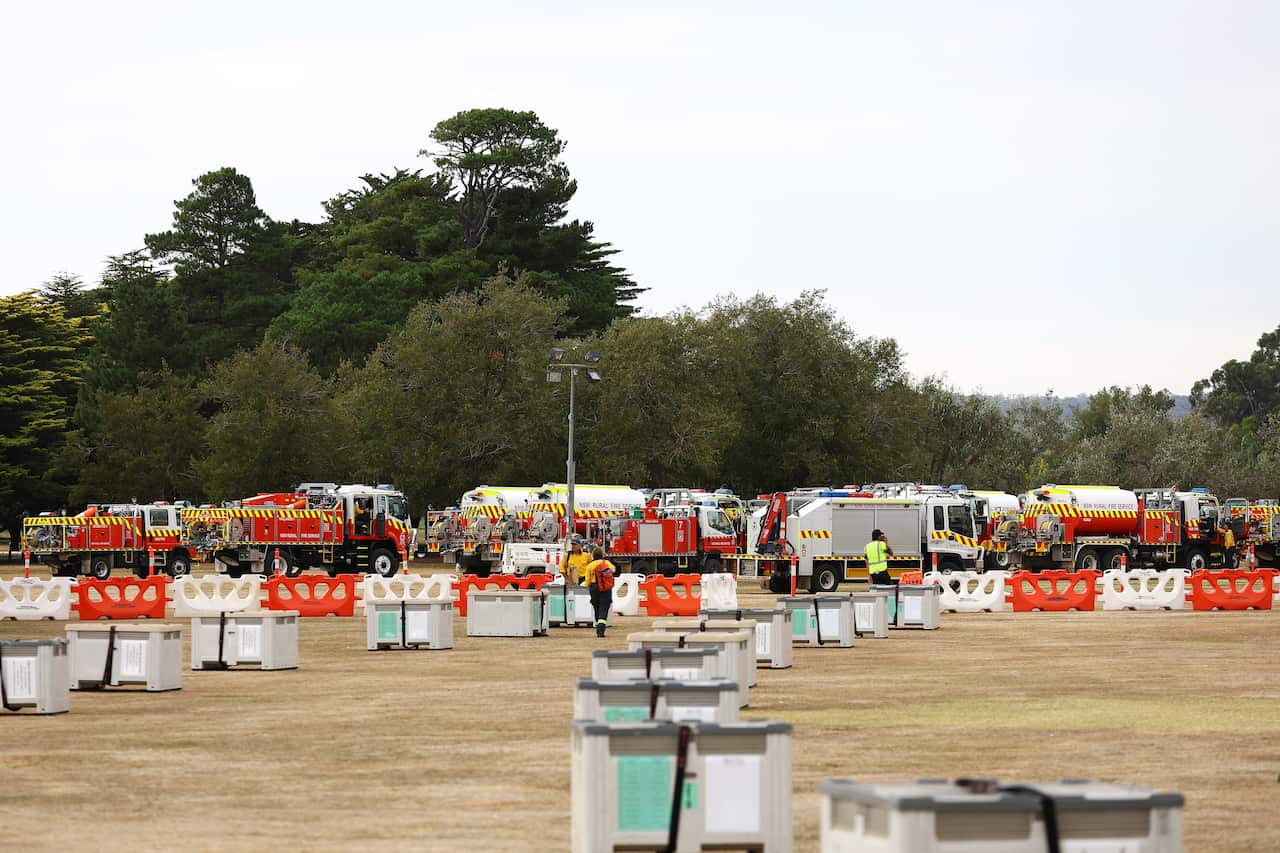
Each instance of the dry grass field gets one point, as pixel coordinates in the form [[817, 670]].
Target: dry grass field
[[468, 749]]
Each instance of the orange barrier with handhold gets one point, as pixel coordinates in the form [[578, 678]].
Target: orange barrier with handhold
[[683, 601], [466, 583], [312, 595], [1067, 590], [1231, 589], [912, 578], [121, 598]]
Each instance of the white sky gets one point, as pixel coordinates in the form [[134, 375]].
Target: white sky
[[1027, 195]]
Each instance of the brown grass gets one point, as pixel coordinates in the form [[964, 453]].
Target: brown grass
[[468, 749]]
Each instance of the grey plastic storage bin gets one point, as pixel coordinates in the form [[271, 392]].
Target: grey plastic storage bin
[[268, 638], [409, 624], [697, 664], [773, 633], [569, 606], [736, 793], [820, 620], [709, 701], [507, 613], [736, 659], [36, 674], [106, 654], [696, 624], [892, 590], [942, 817], [919, 606], [871, 611]]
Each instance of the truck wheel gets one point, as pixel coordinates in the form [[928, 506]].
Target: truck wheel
[[1197, 560], [947, 565], [712, 564], [383, 562], [179, 565], [823, 579], [1000, 559], [1088, 560], [99, 568], [642, 567]]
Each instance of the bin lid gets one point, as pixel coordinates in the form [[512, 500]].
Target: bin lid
[[128, 627], [638, 654], [753, 612], [651, 728], [29, 644], [672, 685], [943, 796]]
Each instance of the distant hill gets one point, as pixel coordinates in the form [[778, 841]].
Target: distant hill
[[1181, 403]]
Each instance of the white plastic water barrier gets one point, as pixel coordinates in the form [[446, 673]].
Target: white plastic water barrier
[[1144, 589], [626, 594], [107, 654], [719, 591], [212, 594], [970, 592], [919, 606], [773, 633], [698, 664], [820, 620], [871, 611], [706, 701], [735, 793], [29, 599], [569, 605], [35, 674], [941, 817], [268, 638], [375, 589], [409, 624], [736, 649], [506, 613]]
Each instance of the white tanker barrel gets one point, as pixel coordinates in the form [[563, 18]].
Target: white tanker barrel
[[1101, 510]]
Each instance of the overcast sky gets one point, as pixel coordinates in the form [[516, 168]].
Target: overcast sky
[[1027, 196]]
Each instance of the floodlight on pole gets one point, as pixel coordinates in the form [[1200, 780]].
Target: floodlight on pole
[[592, 357], [556, 354]]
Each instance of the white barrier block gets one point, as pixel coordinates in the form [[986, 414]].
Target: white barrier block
[[29, 599], [1144, 589], [375, 589], [970, 592], [209, 595], [719, 592], [626, 594]]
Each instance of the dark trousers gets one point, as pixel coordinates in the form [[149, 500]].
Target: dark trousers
[[882, 578], [601, 601]]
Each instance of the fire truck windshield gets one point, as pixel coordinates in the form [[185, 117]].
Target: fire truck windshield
[[960, 519], [718, 522], [398, 507]]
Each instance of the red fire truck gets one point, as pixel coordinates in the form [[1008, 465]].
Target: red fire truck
[[674, 539], [109, 536], [341, 529], [1256, 524]]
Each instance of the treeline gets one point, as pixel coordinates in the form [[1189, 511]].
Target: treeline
[[404, 339]]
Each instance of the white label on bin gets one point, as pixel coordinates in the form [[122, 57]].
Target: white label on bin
[[680, 673], [912, 609], [250, 640], [762, 639], [132, 655], [693, 714], [417, 624], [20, 679], [829, 622], [864, 615], [732, 792]]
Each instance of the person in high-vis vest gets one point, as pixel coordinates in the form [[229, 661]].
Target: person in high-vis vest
[[878, 554]]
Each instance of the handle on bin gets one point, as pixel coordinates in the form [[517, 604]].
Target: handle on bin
[[682, 759], [4, 694]]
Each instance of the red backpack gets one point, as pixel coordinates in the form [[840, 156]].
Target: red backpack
[[604, 576]]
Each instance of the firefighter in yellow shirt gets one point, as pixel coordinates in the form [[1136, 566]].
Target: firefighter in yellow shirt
[[574, 562], [599, 576]]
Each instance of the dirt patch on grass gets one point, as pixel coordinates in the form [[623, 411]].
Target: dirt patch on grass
[[469, 748]]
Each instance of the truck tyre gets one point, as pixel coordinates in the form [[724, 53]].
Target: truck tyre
[[642, 567], [179, 564], [1197, 559], [712, 564], [100, 568], [1000, 559], [1088, 560], [383, 562], [823, 579]]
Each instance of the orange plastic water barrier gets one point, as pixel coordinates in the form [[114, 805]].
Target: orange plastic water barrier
[[1067, 590], [121, 598], [469, 582], [1231, 589], [312, 595], [678, 597], [909, 578]]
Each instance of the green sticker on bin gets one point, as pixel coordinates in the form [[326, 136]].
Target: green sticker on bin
[[798, 628], [389, 626], [626, 714], [689, 796], [557, 608], [644, 792]]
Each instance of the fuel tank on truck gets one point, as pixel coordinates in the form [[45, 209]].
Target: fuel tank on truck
[[1099, 510]]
